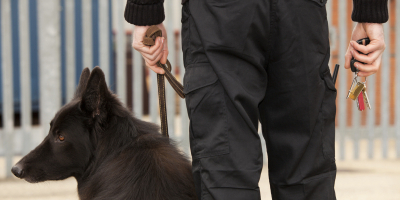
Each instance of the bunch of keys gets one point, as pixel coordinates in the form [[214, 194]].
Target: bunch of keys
[[358, 90], [358, 93]]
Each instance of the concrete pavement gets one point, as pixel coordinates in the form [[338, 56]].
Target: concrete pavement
[[356, 180]]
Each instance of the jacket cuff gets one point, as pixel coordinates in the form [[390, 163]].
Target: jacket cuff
[[144, 14], [370, 11]]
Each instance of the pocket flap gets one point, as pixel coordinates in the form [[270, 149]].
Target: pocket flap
[[198, 76], [328, 80]]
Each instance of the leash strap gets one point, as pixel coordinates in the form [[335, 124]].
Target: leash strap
[[149, 39]]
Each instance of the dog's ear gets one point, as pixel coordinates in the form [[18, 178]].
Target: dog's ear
[[95, 95], [82, 82]]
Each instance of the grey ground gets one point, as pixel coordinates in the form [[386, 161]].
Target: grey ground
[[364, 179]]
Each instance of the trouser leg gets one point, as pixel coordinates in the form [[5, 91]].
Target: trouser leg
[[224, 83], [228, 52], [298, 111]]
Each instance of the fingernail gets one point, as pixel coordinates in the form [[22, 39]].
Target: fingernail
[[351, 43], [162, 40]]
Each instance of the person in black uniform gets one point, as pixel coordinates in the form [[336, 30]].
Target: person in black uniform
[[260, 60]]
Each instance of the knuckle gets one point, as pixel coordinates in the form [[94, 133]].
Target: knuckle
[[151, 51], [151, 58]]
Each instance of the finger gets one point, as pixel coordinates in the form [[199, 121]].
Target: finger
[[369, 59], [155, 47], [155, 61], [139, 46], [155, 68], [164, 57], [373, 46], [348, 57], [165, 53], [365, 74], [366, 67], [155, 56]]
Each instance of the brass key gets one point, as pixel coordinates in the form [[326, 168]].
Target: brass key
[[351, 87], [357, 90]]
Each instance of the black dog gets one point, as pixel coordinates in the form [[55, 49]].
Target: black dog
[[111, 154]]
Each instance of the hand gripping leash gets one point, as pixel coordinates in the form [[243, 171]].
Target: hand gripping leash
[[149, 40]]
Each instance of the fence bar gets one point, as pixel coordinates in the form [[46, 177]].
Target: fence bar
[[397, 99], [356, 126], [25, 74], [385, 91], [70, 48], [170, 93], [371, 88], [104, 37], [137, 83], [7, 77], [356, 131], [342, 76], [87, 33], [121, 51], [49, 60]]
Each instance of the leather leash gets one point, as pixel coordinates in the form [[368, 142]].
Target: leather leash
[[149, 40]]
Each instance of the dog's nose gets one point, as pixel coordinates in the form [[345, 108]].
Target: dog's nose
[[17, 171]]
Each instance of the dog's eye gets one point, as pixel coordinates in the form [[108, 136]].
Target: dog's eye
[[61, 138]]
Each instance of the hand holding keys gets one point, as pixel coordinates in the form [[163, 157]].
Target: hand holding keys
[[358, 90]]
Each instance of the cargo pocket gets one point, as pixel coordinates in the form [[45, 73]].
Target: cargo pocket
[[329, 113], [207, 111]]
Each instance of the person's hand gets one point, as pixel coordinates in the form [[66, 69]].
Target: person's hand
[[153, 54], [374, 32]]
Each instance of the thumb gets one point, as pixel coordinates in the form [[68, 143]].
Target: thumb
[[165, 53], [347, 57]]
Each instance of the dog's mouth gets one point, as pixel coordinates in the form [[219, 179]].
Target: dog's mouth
[[31, 180], [34, 179], [42, 177], [34, 176]]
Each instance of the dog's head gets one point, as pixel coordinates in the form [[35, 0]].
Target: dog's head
[[68, 148]]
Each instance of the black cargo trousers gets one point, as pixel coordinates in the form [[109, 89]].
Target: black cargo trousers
[[259, 60]]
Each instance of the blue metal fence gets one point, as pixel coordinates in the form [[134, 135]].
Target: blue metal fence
[[34, 49]]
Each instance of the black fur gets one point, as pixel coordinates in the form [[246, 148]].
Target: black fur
[[111, 154]]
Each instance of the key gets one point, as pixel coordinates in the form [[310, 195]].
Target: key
[[366, 100], [360, 102], [357, 90], [351, 87], [358, 105]]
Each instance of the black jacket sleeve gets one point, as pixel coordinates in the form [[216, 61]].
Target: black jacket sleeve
[[144, 12], [151, 12], [372, 11]]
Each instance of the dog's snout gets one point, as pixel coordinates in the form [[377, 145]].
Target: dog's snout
[[17, 170]]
